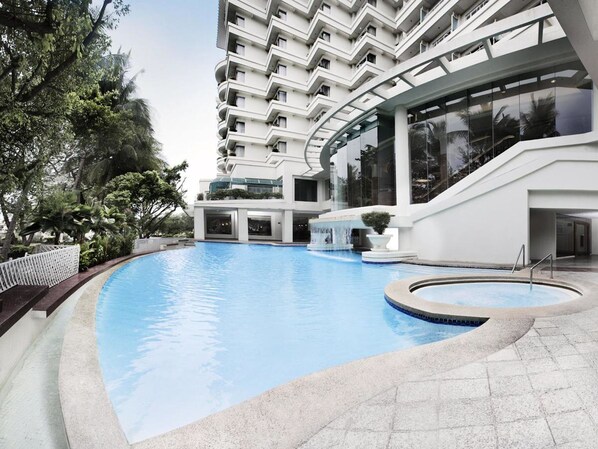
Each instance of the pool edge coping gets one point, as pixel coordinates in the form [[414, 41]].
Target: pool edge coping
[[400, 294], [282, 417]]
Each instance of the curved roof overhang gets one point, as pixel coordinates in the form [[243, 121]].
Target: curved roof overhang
[[401, 85]]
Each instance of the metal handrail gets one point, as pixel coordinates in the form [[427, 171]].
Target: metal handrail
[[531, 270], [522, 250]]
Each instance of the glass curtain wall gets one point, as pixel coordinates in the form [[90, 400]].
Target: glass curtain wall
[[362, 166], [452, 137]]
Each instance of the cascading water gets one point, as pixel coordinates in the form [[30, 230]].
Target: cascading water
[[330, 237]]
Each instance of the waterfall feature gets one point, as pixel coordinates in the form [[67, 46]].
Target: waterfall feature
[[330, 236]]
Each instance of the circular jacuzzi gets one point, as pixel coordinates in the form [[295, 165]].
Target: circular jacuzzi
[[496, 294]]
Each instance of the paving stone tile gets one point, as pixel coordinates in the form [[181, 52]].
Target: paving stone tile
[[375, 417], [533, 352], [512, 368], [582, 376], [325, 439], [554, 340], [559, 401], [562, 349], [416, 416], [411, 440], [471, 371], [418, 391], [482, 437], [549, 331], [366, 440], [527, 434], [463, 389], [580, 338], [506, 386], [572, 426], [577, 445], [343, 422], [529, 341], [541, 323], [542, 365], [386, 397], [571, 362], [509, 353], [513, 408], [553, 380], [465, 412]]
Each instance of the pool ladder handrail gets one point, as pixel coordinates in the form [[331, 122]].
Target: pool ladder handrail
[[531, 270], [522, 250]]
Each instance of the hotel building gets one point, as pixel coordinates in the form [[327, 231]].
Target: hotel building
[[472, 122]]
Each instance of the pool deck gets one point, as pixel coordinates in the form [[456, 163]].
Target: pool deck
[[514, 382]]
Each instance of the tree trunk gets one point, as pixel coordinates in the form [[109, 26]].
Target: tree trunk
[[15, 217], [79, 179], [57, 235]]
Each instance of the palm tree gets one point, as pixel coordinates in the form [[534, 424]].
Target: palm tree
[[116, 133], [540, 120]]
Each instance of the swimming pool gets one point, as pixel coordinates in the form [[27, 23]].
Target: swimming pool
[[183, 334], [496, 294]]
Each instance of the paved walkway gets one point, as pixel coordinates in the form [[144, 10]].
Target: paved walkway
[[541, 392], [30, 413]]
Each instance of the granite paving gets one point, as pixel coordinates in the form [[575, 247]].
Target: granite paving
[[540, 392]]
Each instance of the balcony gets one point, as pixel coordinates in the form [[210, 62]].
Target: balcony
[[222, 128], [220, 70]]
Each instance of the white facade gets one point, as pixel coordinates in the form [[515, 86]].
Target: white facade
[[298, 75]]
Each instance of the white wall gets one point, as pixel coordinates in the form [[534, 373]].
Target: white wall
[[542, 233], [594, 232]]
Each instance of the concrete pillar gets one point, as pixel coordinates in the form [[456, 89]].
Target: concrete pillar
[[402, 161], [243, 226], [595, 107], [199, 223], [287, 226]]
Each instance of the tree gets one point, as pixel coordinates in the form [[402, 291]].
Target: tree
[[45, 55], [149, 198]]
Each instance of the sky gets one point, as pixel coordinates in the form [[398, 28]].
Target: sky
[[174, 44]]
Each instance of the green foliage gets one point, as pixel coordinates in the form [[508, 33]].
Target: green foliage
[[17, 251], [148, 198], [377, 220], [242, 194], [180, 225], [101, 249], [200, 197]]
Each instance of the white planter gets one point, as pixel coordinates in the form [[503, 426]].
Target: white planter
[[379, 241]]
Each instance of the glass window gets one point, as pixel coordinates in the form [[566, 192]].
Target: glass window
[[324, 90], [324, 63], [505, 117], [259, 225], [281, 146], [240, 76], [280, 121], [301, 229], [240, 127], [325, 35], [240, 49], [240, 21], [240, 101], [480, 121], [371, 29], [282, 15], [240, 150], [281, 42], [281, 70], [457, 138], [372, 2], [325, 7], [281, 96], [306, 190], [451, 138], [220, 224]]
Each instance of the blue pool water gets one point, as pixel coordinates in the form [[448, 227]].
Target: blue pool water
[[183, 334], [496, 294]]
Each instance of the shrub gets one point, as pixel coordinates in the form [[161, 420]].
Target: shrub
[[103, 248], [200, 197], [17, 251], [377, 220], [242, 194]]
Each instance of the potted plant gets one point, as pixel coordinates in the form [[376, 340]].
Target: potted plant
[[378, 221]]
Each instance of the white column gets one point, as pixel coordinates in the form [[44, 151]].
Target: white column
[[595, 107], [243, 227], [199, 223], [287, 226], [402, 161]]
